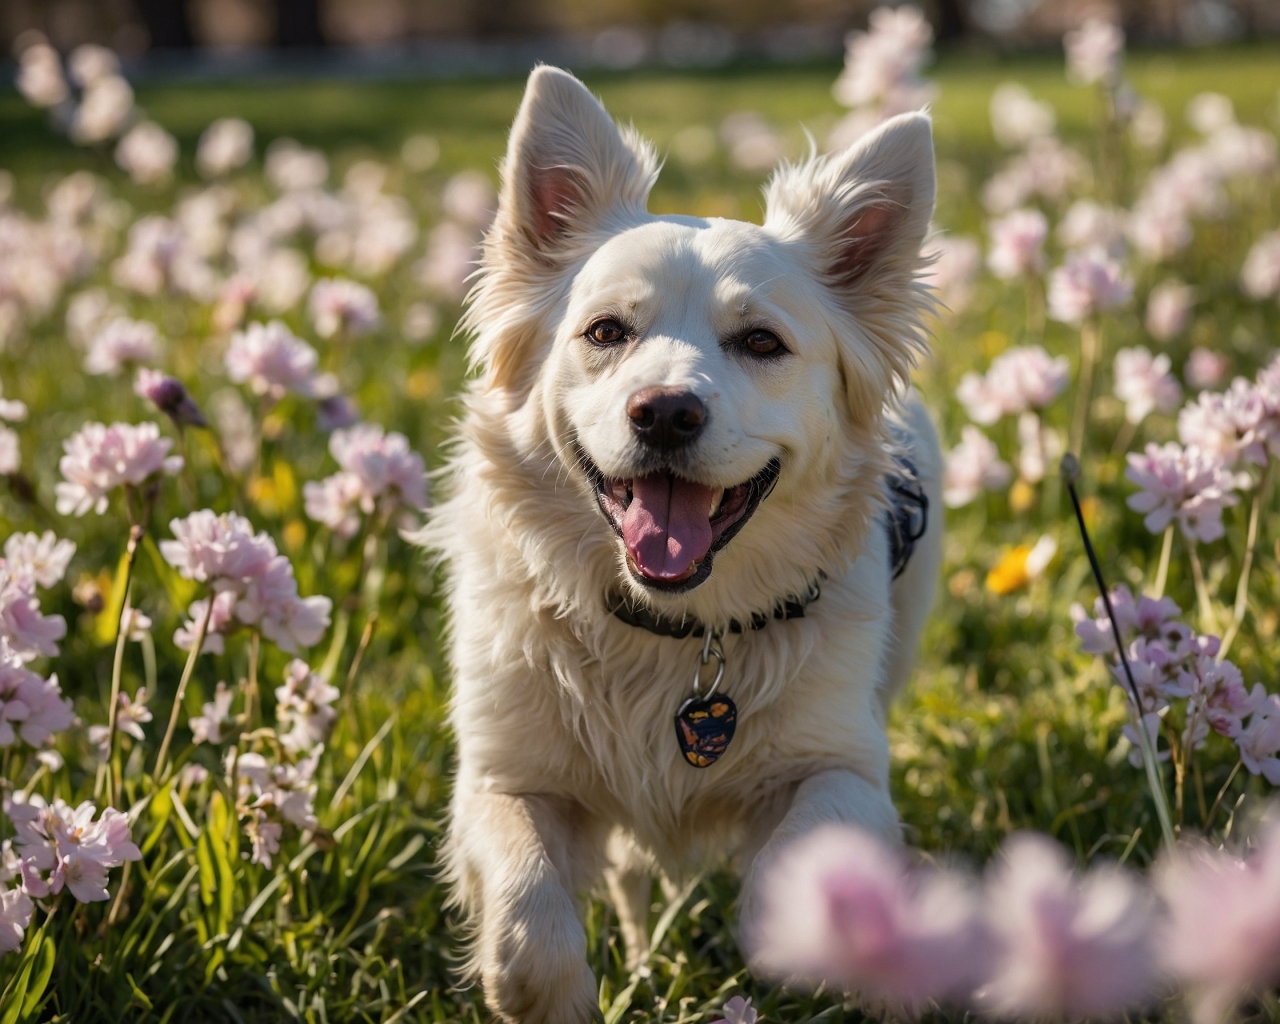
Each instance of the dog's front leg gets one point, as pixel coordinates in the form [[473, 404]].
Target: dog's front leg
[[838, 797], [519, 860]]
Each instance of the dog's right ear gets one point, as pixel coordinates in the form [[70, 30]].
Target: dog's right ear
[[569, 171]]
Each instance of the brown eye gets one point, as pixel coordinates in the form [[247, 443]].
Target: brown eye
[[762, 343], [606, 332]]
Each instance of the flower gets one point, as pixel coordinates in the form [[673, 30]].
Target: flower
[[840, 906], [133, 713], [91, 63], [1143, 382], [1094, 51], [1089, 225], [291, 167], [1205, 368], [378, 469], [10, 453], [1168, 309], [1223, 933], [264, 837], [1019, 566], [954, 263], [972, 466], [40, 76], [885, 58], [208, 725], [1206, 112], [31, 707], [99, 459], [120, 342], [738, 1011], [25, 632], [67, 842], [44, 558], [1147, 617], [226, 145], [1038, 447], [272, 361], [1017, 117], [105, 108], [1088, 282], [169, 395], [303, 707], [1260, 275], [1259, 741], [341, 306], [1230, 425], [1018, 379], [1066, 946], [1186, 484], [15, 914], [1017, 244], [147, 153]]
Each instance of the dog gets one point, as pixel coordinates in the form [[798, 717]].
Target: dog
[[676, 508]]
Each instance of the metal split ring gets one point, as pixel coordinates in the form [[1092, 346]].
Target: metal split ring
[[710, 649]]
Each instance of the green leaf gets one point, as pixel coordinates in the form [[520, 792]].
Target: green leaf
[[208, 874], [139, 996], [219, 821], [45, 958], [17, 996]]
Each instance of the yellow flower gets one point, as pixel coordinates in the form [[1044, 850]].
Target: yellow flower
[[1019, 566]]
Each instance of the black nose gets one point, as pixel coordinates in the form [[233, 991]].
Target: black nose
[[666, 418]]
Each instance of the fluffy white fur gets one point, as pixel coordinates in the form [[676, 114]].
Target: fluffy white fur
[[568, 763]]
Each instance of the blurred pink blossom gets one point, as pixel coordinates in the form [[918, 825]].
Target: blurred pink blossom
[[841, 906], [1094, 51], [1188, 485], [121, 343], [1020, 378], [1090, 225], [892, 51], [273, 361], [304, 707], [40, 77], [99, 459], [377, 470], [972, 467], [956, 260], [215, 715], [1017, 118], [1046, 169], [1017, 244], [1205, 368], [1230, 425], [43, 558], [226, 145], [147, 154], [31, 707], [15, 915], [1260, 275], [737, 1011], [1087, 283], [1143, 382], [1067, 946], [341, 306], [169, 395], [1168, 309]]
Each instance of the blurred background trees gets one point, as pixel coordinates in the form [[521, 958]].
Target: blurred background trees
[[621, 32]]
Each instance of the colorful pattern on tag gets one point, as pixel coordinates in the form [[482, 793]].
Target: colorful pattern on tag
[[704, 728]]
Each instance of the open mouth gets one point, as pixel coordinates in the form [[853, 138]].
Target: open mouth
[[672, 527]]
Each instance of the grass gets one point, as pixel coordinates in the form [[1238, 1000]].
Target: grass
[[1007, 727]]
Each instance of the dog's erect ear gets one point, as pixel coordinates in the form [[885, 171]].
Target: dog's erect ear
[[569, 169], [860, 217]]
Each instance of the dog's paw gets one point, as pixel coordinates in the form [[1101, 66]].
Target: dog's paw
[[534, 963]]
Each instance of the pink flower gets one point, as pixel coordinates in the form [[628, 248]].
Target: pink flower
[[341, 306], [222, 550], [956, 259], [1019, 379], [1089, 282], [10, 452], [1017, 118], [452, 255], [31, 707], [1205, 369], [15, 914], [972, 466], [377, 470], [120, 343], [1231, 425], [1147, 618], [169, 396], [303, 707], [1067, 946], [1047, 169], [1223, 936], [1186, 484], [264, 838], [1168, 309], [226, 145], [1038, 447], [1143, 382], [840, 906], [216, 715], [738, 1011], [1089, 225], [1259, 741], [99, 459], [1017, 244], [69, 843], [1260, 275], [1094, 51], [221, 622], [40, 77], [890, 53], [272, 361], [147, 153], [43, 558], [25, 631]]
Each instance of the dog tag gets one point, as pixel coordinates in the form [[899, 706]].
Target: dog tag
[[704, 728]]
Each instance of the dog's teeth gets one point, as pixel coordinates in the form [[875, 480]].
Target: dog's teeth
[[717, 497]]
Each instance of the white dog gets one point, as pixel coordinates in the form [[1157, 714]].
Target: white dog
[[689, 444]]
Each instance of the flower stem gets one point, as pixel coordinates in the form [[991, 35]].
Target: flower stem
[[1242, 587], [158, 774], [1162, 572], [251, 700], [1213, 811], [1090, 343], [117, 665], [1207, 619], [1070, 472]]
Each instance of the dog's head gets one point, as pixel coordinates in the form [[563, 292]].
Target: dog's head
[[682, 369]]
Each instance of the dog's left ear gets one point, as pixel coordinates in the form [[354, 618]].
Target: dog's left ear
[[860, 217]]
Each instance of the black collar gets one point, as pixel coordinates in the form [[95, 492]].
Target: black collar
[[791, 607]]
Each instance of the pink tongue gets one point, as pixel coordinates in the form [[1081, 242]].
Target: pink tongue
[[667, 526]]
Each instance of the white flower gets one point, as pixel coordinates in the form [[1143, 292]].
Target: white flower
[[1089, 282], [67, 842], [1017, 117], [892, 52], [226, 145], [1017, 244], [216, 714], [1143, 382], [43, 558], [147, 153], [1094, 51], [104, 110], [1260, 275], [90, 63], [99, 459], [120, 343], [291, 167], [40, 76], [303, 707], [1209, 111], [972, 466]]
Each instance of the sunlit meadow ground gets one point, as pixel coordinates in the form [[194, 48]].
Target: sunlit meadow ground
[[1008, 726]]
